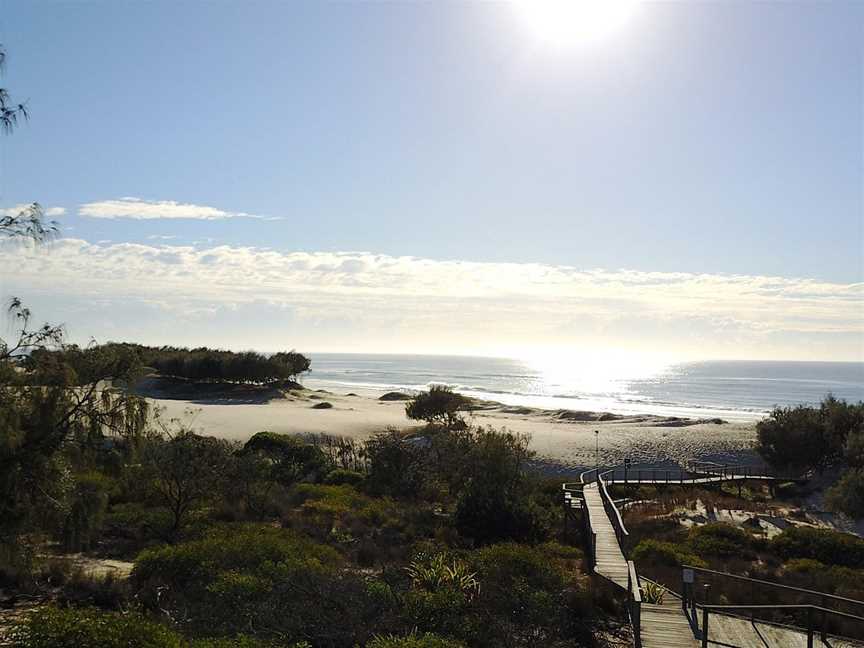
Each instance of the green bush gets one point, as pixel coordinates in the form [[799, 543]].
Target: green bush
[[427, 640], [847, 495], [292, 457], [529, 596], [341, 476], [243, 641], [105, 591], [497, 503], [269, 579], [133, 526], [721, 540], [83, 522], [398, 465], [812, 574], [52, 627], [439, 406], [828, 547], [665, 554]]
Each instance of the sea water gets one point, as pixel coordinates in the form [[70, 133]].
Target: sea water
[[732, 390]]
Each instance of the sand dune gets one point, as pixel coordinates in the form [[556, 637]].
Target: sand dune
[[564, 440]]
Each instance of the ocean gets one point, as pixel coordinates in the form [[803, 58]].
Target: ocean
[[732, 390]]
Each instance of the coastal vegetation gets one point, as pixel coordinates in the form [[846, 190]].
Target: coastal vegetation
[[201, 364], [437, 538], [828, 438], [439, 406]]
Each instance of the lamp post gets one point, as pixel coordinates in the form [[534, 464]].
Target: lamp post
[[597, 453]]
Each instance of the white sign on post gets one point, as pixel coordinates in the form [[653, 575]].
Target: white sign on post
[[688, 576]]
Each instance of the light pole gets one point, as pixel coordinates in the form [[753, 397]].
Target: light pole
[[597, 453]]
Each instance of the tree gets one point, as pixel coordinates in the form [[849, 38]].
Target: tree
[[397, 464], [47, 402], [439, 406], [495, 503], [29, 222], [291, 458], [185, 470], [792, 438], [806, 438], [847, 495]]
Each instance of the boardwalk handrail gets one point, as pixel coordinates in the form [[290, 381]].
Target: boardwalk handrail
[[810, 629], [802, 590], [634, 602], [612, 510]]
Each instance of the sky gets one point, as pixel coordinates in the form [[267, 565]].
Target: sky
[[442, 177]]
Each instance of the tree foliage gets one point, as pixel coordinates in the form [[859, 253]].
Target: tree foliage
[[847, 495], [495, 501], [439, 406], [217, 365], [805, 438], [186, 470]]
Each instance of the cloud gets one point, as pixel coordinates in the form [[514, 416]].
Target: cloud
[[374, 301], [139, 209], [162, 237], [50, 212]]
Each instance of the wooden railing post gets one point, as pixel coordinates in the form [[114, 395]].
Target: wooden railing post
[[809, 627], [823, 631], [705, 627]]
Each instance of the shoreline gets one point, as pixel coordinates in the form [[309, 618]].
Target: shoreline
[[611, 405], [564, 440]]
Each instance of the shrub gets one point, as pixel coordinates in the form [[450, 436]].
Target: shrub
[[52, 627], [528, 596], [721, 540], [341, 476], [243, 641], [442, 572], [653, 593], [84, 520], [847, 495], [496, 503], [261, 577], [828, 547], [137, 525], [666, 554], [103, 591], [292, 458], [427, 640], [439, 406], [803, 437], [792, 437], [397, 465], [812, 574]]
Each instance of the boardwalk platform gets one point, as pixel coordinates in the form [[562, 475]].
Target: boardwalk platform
[[609, 560], [666, 624], [662, 626]]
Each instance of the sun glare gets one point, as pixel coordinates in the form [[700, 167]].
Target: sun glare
[[567, 23]]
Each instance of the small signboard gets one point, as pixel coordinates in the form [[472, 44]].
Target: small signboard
[[688, 576]]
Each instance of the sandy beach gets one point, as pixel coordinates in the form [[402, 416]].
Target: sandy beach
[[564, 440]]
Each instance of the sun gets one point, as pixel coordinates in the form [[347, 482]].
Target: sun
[[567, 23]]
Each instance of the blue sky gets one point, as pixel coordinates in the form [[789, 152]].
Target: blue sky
[[699, 140]]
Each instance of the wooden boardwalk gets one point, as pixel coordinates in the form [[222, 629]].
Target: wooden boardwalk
[[609, 561], [726, 630], [662, 626], [665, 624]]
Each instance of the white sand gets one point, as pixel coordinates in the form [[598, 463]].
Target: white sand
[[569, 444]]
